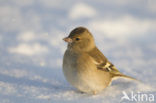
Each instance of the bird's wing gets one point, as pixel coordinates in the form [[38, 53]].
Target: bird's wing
[[108, 66], [102, 62]]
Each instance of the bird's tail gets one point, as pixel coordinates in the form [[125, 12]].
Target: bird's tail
[[115, 73], [120, 75]]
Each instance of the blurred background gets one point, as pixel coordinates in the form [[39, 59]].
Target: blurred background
[[31, 45]]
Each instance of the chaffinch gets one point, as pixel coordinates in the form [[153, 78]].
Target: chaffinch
[[84, 66]]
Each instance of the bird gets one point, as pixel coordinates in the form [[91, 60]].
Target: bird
[[84, 65]]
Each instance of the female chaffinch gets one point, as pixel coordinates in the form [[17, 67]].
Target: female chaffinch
[[84, 66]]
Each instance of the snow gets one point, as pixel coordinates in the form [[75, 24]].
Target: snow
[[124, 26], [81, 10], [31, 48]]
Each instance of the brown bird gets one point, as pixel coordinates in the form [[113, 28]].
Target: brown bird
[[84, 66]]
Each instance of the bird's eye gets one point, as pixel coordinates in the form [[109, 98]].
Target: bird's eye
[[77, 39]]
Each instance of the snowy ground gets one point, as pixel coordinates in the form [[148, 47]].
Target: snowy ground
[[31, 47]]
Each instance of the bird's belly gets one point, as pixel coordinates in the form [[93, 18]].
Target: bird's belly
[[83, 81]]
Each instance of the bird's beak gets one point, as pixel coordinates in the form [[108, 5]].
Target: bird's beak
[[68, 39]]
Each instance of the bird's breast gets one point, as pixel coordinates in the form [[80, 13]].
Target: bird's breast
[[69, 66]]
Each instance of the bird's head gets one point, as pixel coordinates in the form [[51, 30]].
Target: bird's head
[[80, 39]]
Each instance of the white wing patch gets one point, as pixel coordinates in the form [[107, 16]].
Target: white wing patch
[[108, 66]]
